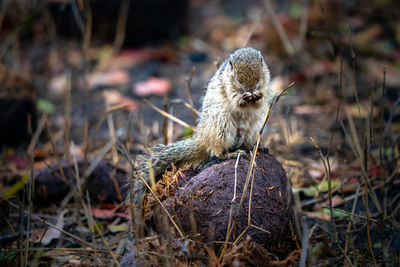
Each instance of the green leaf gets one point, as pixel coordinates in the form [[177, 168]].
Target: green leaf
[[336, 213], [45, 106], [187, 133], [123, 227], [17, 186], [296, 10], [100, 227], [377, 245], [312, 190]]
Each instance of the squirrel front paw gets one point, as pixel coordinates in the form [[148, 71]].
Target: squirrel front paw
[[250, 97]]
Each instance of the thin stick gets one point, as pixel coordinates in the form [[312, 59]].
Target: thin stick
[[259, 228], [37, 133], [229, 230], [278, 26], [253, 29], [250, 196], [355, 215], [186, 104], [122, 150], [303, 257], [175, 119], [189, 95], [67, 114], [303, 23], [121, 25], [111, 129], [30, 206], [365, 176]]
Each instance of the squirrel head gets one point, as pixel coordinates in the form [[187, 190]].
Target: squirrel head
[[247, 67]]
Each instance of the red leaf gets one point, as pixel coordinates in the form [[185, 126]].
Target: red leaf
[[157, 86]]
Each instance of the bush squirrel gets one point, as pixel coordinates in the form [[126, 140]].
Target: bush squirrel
[[232, 113]]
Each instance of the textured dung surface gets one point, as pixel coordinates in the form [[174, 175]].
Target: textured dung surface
[[208, 196]]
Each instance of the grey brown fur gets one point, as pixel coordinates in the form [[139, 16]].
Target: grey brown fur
[[231, 116]]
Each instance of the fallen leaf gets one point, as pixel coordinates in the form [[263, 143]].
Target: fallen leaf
[[52, 233], [114, 97], [157, 86], [336, 201], [128, 58], [110, 78], [58, 84], [103, 213], [17, 186]]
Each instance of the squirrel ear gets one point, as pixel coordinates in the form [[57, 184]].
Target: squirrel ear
[[230, 62], [260, 55]]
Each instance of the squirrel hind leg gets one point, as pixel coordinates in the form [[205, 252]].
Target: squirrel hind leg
[[217, 160]]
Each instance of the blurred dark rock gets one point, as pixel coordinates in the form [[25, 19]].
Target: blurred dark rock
[[17, 107], [105, 184], [148, 21]]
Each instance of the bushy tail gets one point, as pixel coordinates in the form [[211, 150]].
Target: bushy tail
[[179, 153]]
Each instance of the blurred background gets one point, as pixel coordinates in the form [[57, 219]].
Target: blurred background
[[103, 51]]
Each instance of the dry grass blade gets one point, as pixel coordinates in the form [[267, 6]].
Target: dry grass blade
[[229, 228], [278, 26], [186, 104], [121, 25], [122, 150], [189, 95], [175, 119], [55, 227], [253, 29]]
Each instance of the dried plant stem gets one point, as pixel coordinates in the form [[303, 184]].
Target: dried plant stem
[[30, 206], [111, 130], [253, 29], [363, 170], [250, 196], [229, 228], [67, 114], [55, 227], [186, 104], [189, 95], [278, 26], [122, 150], [166, 114], [303, 23], [121, 25], [325, 161]]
